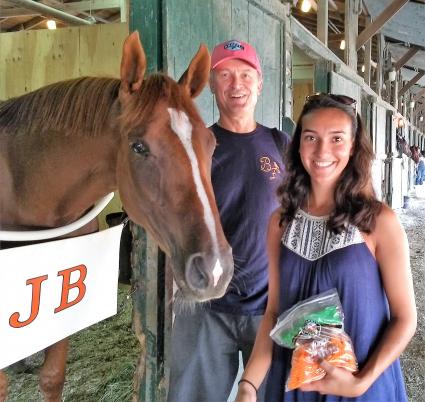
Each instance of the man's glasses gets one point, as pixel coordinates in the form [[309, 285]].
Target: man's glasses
[[342, 99]]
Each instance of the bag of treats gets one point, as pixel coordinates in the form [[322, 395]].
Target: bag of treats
[[314, 328]]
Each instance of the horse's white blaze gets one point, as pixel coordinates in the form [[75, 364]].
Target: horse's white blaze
[[180, 124]]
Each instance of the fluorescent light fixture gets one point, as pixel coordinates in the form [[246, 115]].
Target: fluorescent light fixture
[[305, 6], [51, 24], [342, 44]]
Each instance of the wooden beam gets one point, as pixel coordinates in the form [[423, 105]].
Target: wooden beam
[[91, 5], [16, 12], [380, 21], [412, 82], [322, 21], [368, 57], [70, 10], [32, 23], [336, 37], [419, 109], [405, 58], [351, 28], [380, 67], [333, 5], [419, 95]]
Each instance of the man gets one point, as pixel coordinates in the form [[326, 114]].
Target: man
[[420, 176], [247, 168]]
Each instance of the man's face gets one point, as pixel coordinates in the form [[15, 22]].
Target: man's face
[[236, 86]]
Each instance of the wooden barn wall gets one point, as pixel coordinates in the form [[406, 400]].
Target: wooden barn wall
[[260, 23], [32, 59]]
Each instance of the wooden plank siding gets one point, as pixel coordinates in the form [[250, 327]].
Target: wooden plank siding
[[35, 58]]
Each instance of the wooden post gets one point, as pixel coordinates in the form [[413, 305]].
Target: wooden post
[[380, 66], [321, 76], [351, 30], [286, 51], [367, 57], [322, 21]]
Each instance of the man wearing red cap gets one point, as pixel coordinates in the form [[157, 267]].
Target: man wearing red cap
[[247, 168]]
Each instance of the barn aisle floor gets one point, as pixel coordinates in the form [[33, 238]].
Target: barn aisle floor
[[413, 359]]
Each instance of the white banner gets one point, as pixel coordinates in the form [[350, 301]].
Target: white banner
[[51, 290]]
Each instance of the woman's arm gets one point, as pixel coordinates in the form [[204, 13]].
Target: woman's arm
[[260, 359], [392, 255]]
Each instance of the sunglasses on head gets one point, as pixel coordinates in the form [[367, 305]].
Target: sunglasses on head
[[342, 99]]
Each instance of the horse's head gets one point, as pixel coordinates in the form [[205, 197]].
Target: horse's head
[[164, 169]]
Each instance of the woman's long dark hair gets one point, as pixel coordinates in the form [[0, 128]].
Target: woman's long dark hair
[[355, 200]]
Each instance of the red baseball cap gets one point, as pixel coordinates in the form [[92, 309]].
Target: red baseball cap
[[235, 49]]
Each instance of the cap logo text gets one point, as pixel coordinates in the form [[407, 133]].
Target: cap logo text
[[233, 45]]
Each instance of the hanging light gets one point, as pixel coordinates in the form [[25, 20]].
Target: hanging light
[[51, 24], [400, 122], [392, 74], [363, 68], [306, 6], [412, 104], [421, 118], [342, 44]]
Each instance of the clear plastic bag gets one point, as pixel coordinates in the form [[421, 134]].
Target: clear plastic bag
[[314, 328]]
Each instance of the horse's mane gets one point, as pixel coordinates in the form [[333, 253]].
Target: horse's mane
[[84, 105], [80, 105]]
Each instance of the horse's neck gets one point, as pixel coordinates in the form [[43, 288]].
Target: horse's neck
[[57, 187]]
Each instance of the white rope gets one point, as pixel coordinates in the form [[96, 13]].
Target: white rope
[[33, 235]]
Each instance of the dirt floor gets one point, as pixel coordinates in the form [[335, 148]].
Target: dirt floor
[[101, 363], [413, 359], [102, 358]]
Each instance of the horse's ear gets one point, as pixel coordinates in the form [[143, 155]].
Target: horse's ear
[[196, 75], [133, 64]]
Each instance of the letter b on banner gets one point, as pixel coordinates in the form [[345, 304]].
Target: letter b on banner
[[67, 286]]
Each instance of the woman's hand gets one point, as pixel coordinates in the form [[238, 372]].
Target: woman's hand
[[337, 381], [246, 393]]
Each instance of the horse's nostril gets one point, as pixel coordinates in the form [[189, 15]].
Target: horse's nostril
[[197, 276]]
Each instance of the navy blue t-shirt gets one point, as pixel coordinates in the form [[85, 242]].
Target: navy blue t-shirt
[[246, 171]]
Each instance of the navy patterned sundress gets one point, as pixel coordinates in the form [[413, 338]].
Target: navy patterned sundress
[[312, 260]]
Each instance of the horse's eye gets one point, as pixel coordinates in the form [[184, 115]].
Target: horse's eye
[[140, 148]]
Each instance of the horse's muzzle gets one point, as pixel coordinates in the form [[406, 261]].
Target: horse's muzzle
[[207, 276]]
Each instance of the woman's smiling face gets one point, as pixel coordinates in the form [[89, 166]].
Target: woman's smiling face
[[326, 144]]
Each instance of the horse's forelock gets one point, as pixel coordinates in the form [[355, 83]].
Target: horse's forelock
[[156, 88]]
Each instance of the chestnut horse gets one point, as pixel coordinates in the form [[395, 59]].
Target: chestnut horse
[[66, 145]]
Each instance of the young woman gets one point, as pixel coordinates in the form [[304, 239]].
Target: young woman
[[331, 232]]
